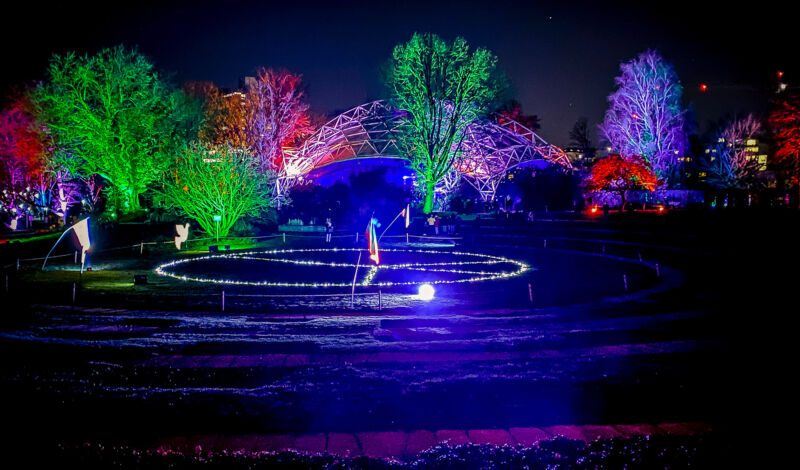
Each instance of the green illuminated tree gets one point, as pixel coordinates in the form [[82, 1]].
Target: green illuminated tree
[[115, 114], [443, 87], [207, 181]]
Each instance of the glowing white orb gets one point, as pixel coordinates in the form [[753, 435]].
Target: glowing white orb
[[426, 292]]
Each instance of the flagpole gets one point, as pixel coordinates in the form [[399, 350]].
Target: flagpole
[[353, 292], [54, 247], [390, 224]]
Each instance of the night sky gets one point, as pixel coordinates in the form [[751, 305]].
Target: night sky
[[561, 58]]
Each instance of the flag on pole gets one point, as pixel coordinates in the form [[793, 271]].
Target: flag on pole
[[372, 242], [407, 214], [82, 232]]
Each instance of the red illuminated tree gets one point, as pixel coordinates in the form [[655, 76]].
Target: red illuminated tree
[[513, 111], [23, 176], [620, 174], [785, 122]]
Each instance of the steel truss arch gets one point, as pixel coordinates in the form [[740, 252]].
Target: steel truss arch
[[489, 149]]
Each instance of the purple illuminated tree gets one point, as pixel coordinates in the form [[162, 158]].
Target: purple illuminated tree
[[733, 164], [645, 116]]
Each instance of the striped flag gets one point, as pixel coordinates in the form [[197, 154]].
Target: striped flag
[[372, 242]]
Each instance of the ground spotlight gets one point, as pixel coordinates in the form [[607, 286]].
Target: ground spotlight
[[426, 292]]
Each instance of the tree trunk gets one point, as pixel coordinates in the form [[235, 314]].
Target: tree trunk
[[430, 188], [622, 196]]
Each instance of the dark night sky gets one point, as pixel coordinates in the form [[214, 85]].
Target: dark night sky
[[560, 57]]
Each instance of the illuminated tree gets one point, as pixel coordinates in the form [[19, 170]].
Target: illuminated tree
[[732, 165], [443, 87], [621, 174], [513, 111], [785, 122], [207, 181], [24, 184], [645, 116], [225, 116], [278, 116], [115, 114]]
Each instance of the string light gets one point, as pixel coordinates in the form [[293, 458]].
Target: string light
[[433, 267]]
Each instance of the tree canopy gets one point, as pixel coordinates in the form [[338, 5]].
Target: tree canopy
[[645, 116], [443, 87], [117, 116], [207, 181]]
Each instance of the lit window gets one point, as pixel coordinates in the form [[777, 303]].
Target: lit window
[[708, 151], [751, 142]]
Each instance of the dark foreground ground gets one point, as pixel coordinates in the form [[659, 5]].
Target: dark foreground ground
[[707, 340]]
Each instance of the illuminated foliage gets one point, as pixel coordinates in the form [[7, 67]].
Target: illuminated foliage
[[513, 111], [207, 181], [224, 115], [785, 122], [23, 165], [443, 87], [278, 116], [619, 174], [733, 166], [116, 116], [268, 116], [645, 116]]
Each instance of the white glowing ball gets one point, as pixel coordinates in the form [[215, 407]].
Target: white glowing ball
[[426, 292]]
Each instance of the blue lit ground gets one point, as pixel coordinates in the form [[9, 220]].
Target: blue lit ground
[[131, 363]]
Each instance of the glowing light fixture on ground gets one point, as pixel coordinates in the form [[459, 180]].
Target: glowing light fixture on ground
[[426, 292]]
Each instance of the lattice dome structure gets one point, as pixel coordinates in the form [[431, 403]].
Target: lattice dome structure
[[490, 148]]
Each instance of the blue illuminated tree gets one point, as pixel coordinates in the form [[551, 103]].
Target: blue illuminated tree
[[645, 116]]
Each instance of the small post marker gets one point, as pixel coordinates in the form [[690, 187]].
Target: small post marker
[[223, 301], [625, 281], [284, 237], [73, 293], [141, 248], [17, 264], [406, 238], [530, 292], [356, 237], [604, 249], [380, 300], [640, 256], [75, 261], [545, 243], [6, 283], [658, 271]]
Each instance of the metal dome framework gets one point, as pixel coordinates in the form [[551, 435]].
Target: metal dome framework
[[490, 148]]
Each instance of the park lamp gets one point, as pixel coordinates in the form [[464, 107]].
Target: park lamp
[[217, 218]]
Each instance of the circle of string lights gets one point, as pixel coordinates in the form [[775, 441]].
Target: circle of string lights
[[452, 267]]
